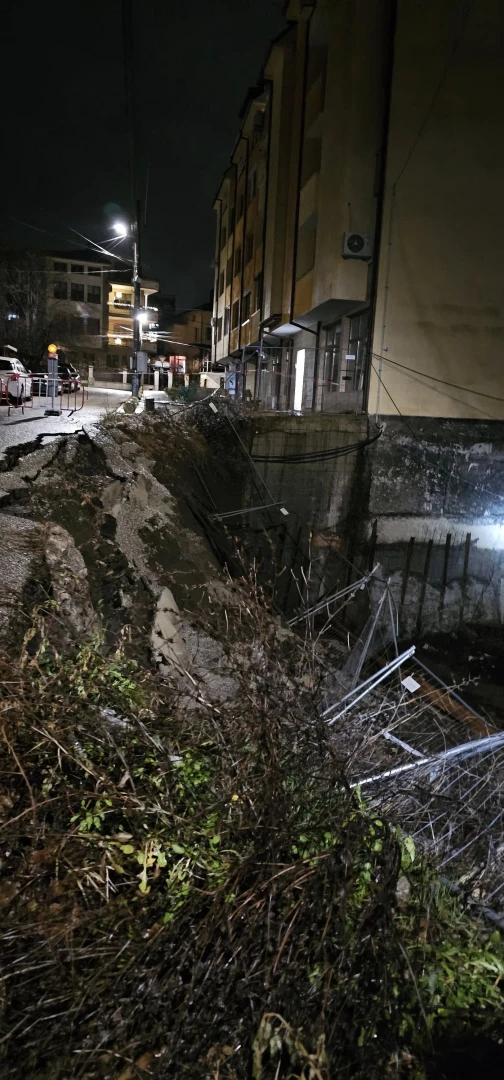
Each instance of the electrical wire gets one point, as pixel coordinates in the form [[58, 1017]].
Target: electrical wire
[[455, 44], [317, 455], [434, 378], [469, 483]]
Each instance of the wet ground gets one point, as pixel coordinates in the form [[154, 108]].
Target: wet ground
[[20, 426]]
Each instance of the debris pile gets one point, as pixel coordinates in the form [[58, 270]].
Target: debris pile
[[191, 886]]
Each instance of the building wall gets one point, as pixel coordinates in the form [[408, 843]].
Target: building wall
[[440, 303], [120, 301], [71, 314]]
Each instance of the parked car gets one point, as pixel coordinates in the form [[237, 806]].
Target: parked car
[[16, 383], [68, 377]]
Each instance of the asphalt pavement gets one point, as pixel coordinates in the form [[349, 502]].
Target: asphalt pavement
[[23, 426]]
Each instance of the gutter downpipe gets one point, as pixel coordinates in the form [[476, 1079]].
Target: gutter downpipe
[[257, 389], [377, 253]]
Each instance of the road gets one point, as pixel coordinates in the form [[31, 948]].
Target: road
[[20, 427]]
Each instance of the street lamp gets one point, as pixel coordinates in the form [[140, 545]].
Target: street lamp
[[121, 229]]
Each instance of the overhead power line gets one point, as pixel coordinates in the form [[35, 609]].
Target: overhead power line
[[316, 455], [461, 479], [433, 378], [454, 47]]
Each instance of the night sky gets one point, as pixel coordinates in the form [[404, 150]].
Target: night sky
[[64, 134]]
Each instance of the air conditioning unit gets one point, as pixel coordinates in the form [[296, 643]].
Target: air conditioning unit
[[357, 245]]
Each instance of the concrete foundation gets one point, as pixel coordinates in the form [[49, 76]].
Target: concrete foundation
[[426, 501]]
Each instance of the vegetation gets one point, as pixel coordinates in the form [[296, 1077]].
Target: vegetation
[[195, 892]]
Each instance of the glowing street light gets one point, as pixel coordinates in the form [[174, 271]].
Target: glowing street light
[[120, 228]]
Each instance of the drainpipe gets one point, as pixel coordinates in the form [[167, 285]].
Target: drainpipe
[[380, 205], [300, 162], [245, 208], [270, 85], [216, 283]]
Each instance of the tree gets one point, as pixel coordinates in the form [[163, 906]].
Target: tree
[[28, 324]]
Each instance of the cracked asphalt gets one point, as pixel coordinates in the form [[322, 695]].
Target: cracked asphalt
[[19, 427]]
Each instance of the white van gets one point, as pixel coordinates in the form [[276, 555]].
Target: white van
[[15, 382]]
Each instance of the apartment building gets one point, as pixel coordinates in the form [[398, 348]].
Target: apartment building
[[120, 302], [359, 228], [77, 292], [187, 339]]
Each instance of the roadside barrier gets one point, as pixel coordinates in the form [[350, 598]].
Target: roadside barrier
[[34, 391]]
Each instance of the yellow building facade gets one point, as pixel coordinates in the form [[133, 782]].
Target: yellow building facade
[[357, 260], [120, 319]]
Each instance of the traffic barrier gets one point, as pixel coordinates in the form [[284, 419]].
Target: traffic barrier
[[34, 391]]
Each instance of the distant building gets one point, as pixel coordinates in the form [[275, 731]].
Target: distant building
[[167, 306], [81, 300], [120, 318], [77, 291], [188, 338]]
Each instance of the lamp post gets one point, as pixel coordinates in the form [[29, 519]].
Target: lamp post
[[134, 232]]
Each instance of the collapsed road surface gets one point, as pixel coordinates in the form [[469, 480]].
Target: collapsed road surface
[[190, 886]]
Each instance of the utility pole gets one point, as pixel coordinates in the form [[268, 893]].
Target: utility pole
[[137, 327]]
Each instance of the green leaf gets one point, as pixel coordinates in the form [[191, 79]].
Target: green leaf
[[178, 849], [128, 849], [215, 839]]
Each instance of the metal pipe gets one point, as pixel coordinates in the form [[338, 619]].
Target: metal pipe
[[388, 670]]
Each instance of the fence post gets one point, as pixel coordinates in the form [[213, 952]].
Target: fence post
[[444, 579], [156, 378], [125, 376], [91, 380], [409, 557], [424, 586], [465, 578]]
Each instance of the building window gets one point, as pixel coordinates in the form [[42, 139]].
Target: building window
[[60, 291], [94, 294], [237, 260], [93, 326], [252, 185], [332, 357], [77, 268], [219, 329], [241, 205], [77, 325], [246, 308], [249, 247], [232, 220], [223, 237], [357, 346], [93, 271], [76, 291], [258, 289], [196, 333], [227, 319], [236, 315], [208, 333], [221, 283], [60, 267], [229, 271]]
